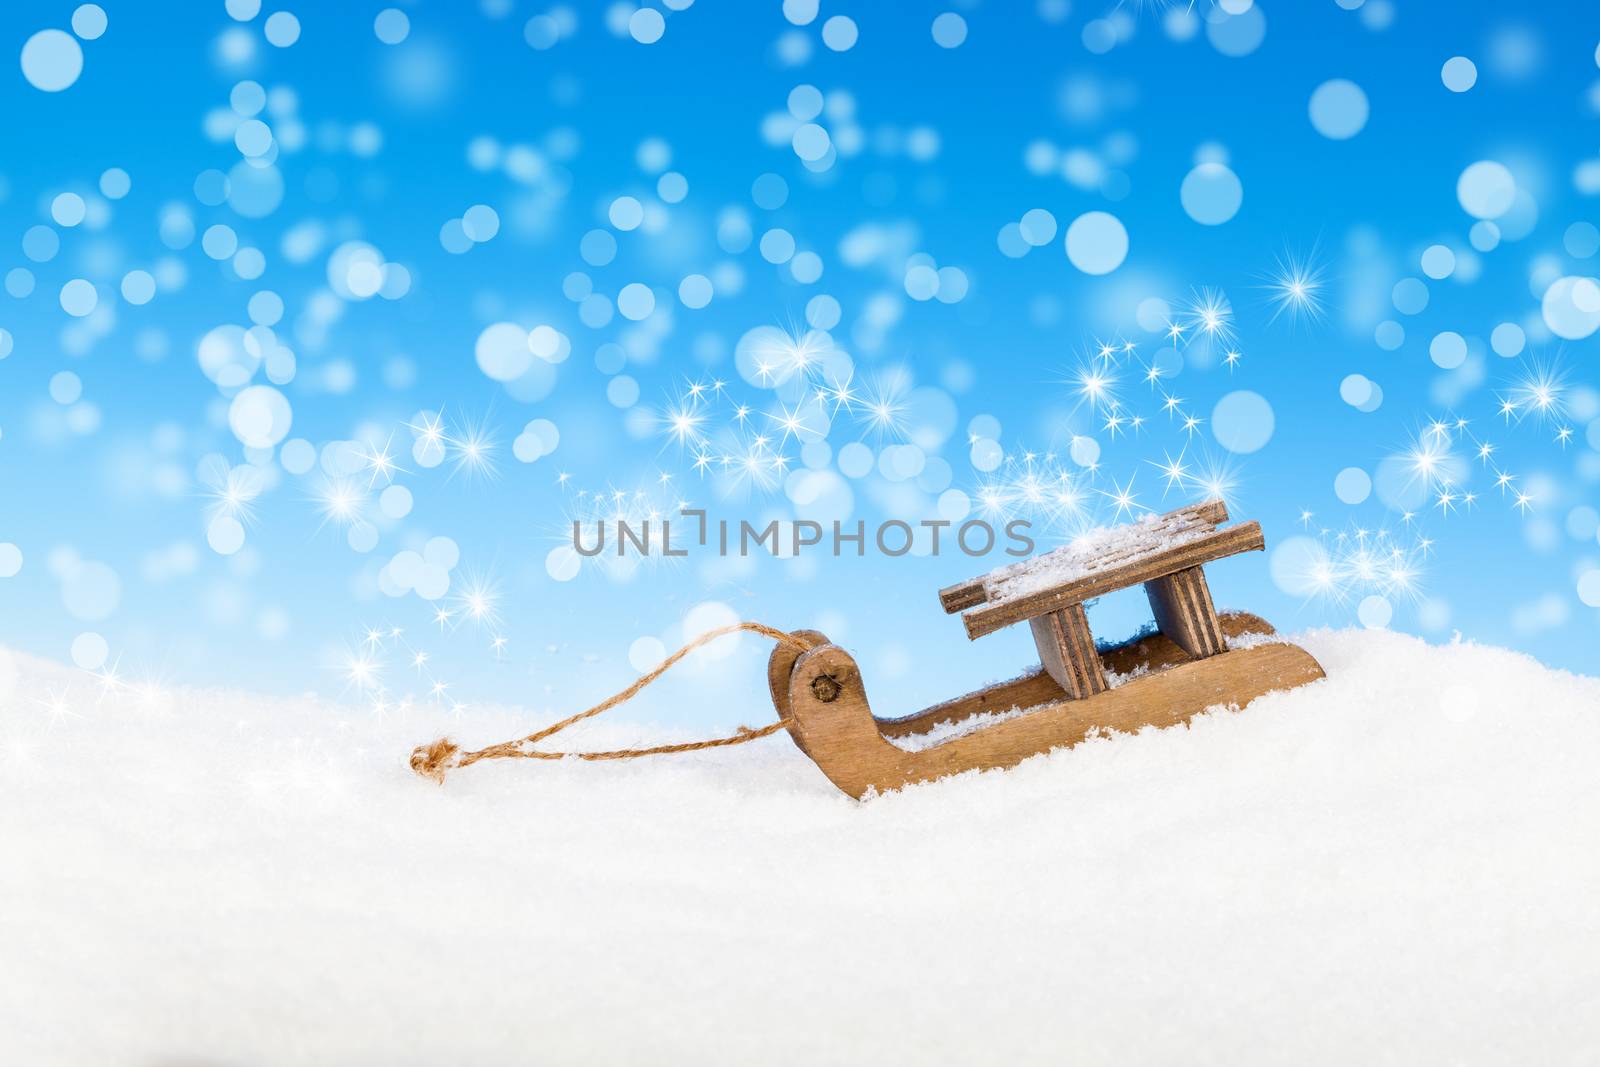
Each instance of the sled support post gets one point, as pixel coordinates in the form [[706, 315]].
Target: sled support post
[[1184, 612], [1067, 651]]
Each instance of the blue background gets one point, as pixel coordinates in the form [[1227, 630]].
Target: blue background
[[386, 144]]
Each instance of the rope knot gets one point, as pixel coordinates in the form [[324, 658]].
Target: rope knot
[[433, 761]]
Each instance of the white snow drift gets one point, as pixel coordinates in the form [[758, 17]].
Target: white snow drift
[[1398, 865]]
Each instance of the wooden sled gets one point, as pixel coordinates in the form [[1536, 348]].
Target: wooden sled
[[1178, 672]]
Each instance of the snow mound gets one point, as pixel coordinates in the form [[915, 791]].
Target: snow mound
[[1396, 865]]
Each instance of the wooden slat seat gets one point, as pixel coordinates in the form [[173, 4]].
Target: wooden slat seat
[[995, 614], [1165, 553], [1196, 518], [1102, 562]]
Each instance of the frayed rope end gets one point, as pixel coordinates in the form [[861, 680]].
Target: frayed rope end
[[435, 760]]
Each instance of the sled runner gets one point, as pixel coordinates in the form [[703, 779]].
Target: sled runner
[[1160, 679]]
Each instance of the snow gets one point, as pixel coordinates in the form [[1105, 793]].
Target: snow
[[1092, 551], [1396, 865], [949, 730]]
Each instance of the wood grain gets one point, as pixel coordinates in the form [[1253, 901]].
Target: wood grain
[[1207, 515], [989, 617], [833, 723], [1182, 606], [1066, 649]]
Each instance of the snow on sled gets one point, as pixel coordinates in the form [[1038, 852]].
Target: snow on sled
[[1176, 673]]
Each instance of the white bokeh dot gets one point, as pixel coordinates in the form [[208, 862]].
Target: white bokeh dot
[[800, 12], [562, 563], [636, 301], [805, 102], [1243, 421], [1486, 189], [297, 456], [705, 617], [811, 142], [921, 282], [839, 33], [626, 213], [823, 312], [953, 285], [546, 342], [695, 291], [1097, 242], [1582, 240], [1338, 109], [260, 416], [89, 650], [598, 247], [672, 187], [1438, 262], [1084, 450], [1389, 335], [1507, 340], [1448, 350], [79, 298], [282, 29], [949, 30], [1589, 588], [52, 60], [247, 99], [65, 387], [502, 351], [225, 535], [395, 502], [1237, 35], [1375, 612], [1410, 296], [1355, 389], [646, 25], [253, 138], [777, 246], [1352, 485], [1571, 307], [1038, 227], [645, 653], [1459, 74], [623, 391], [68, 209], [391, 25], [806, 267], [1211, 194], [89, 22], [115, 183], [480, 222]]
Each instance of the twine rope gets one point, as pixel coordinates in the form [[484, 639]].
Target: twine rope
[[437, 759]]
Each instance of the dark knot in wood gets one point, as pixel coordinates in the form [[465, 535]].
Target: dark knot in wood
[[826, 688]]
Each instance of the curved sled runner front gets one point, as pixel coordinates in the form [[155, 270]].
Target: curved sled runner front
[[1177, 673]]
